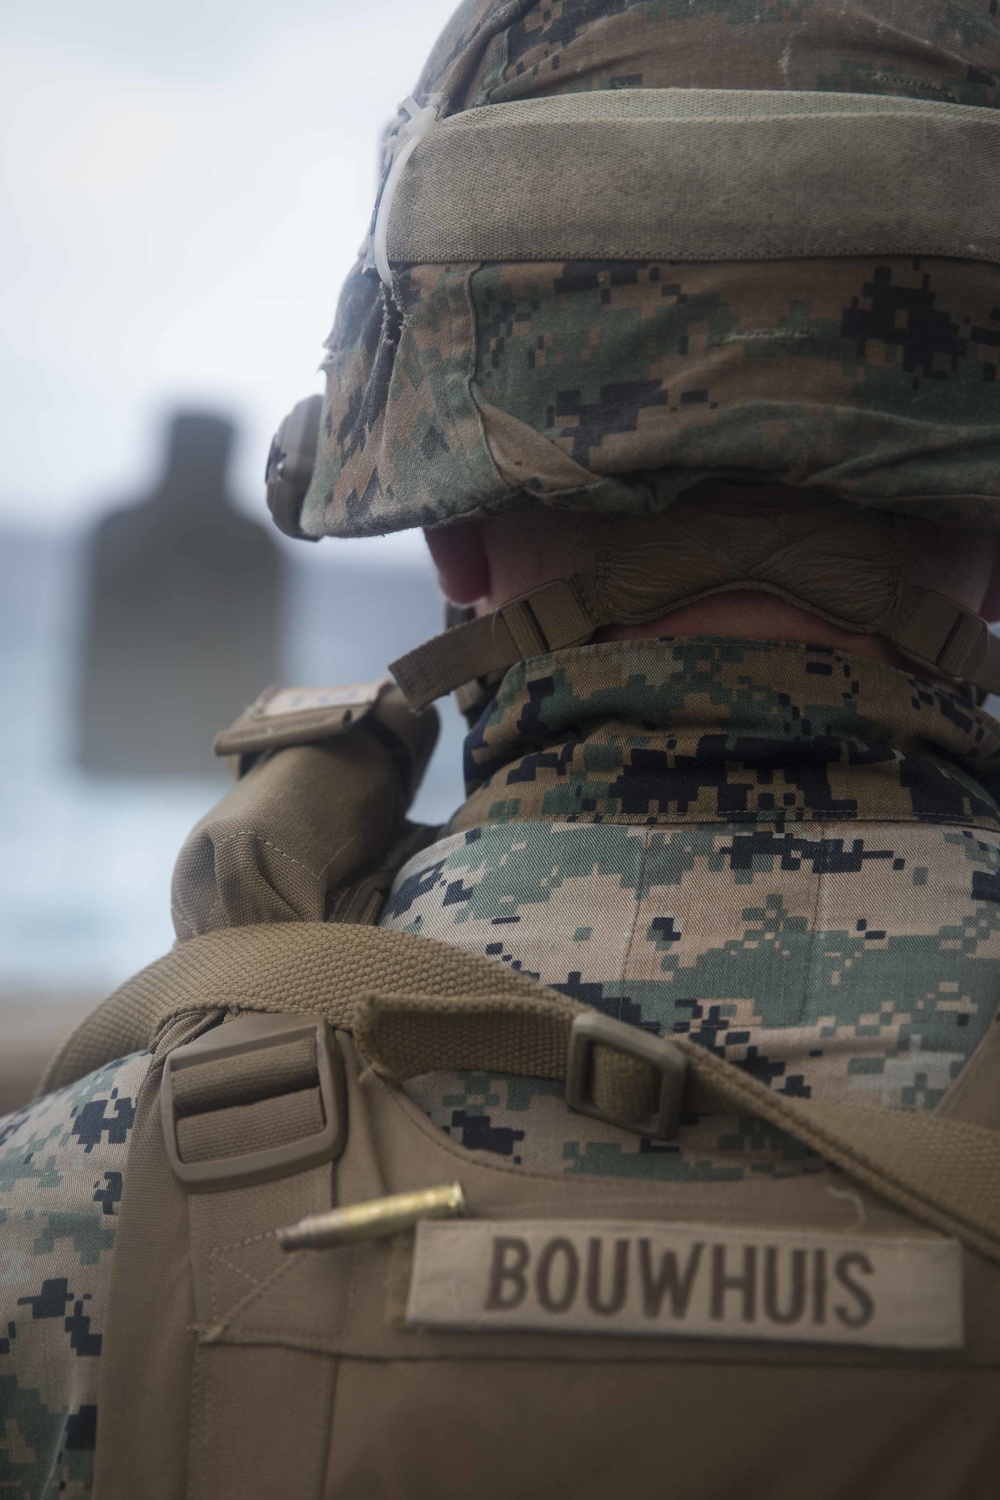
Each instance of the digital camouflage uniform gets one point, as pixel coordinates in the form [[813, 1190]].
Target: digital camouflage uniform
[[788, 854], [784, 852], [62, 1170]]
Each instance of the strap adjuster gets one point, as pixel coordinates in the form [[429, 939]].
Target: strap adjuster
[[548, 618], [258, 1075], [943, 635], [591, 1029]]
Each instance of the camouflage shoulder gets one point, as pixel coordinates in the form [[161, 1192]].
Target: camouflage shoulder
[[63, 1178]]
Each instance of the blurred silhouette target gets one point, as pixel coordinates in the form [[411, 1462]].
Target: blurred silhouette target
[[183, 599]]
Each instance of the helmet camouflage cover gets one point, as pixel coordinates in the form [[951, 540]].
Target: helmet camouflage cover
[[475, 386]]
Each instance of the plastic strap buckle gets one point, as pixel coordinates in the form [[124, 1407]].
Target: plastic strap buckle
[[591, 1029], [230, 1088], [943, 635], [548, 618]]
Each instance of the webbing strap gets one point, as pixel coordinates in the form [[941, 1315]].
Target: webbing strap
[[546, 619], [286, 968], [259, 1416], [209, 1418], [941, 1170], [936, 632], [417, 1005], [698, 174]]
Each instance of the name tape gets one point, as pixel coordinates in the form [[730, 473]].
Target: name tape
[[689, 1281]]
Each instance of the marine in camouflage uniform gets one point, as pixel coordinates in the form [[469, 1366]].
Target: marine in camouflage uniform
[[789, 853]]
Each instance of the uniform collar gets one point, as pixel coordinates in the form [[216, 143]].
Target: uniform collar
[[712, 729]]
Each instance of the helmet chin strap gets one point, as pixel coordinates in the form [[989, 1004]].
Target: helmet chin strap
[[849, 567], [934, 632]]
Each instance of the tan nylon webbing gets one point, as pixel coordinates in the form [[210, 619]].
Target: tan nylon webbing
[[700, 174], [937, 633], [302, 968], [547, 619], [278, 1070], [430, 1006], [476, 649], [942, 1170], [244, 1128], [712, 540]]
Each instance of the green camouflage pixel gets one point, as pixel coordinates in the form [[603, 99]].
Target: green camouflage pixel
[[856, 956], [704, 729], [616, 385], [62, 1161], [924, 49]]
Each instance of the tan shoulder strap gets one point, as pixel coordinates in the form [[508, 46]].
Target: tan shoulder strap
[[942, 1170], [305, 968], [417, 1005]]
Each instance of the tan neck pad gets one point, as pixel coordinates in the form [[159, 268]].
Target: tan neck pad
[[848, 566]]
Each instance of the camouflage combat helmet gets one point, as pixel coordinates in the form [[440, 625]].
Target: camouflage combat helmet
[[625, 248]]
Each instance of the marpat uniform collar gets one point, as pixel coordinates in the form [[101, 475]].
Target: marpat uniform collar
[[712, 729]]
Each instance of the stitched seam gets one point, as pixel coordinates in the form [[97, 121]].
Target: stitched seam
[[811, 331], [635, 917], [331, 1407], [232, 1266], [251, 833], [321, 1447], [352, 1289], [896, 575], [222, 1323], [671, 820], [347, 1348], [253, 1239], [813, 935], [199, 1442], [504, 22], [216, 1255], [447, 400]]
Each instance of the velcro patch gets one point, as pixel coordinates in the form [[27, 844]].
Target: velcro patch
[[688, 1281], [299, 700], [299, 716]]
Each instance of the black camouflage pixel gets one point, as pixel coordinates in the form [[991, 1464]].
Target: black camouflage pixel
[[62, 1181], [825, 915], [705, 729]]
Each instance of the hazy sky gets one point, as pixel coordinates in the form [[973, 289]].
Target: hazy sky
[[185, 187]]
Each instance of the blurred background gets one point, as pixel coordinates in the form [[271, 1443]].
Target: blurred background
[[184, 189]]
